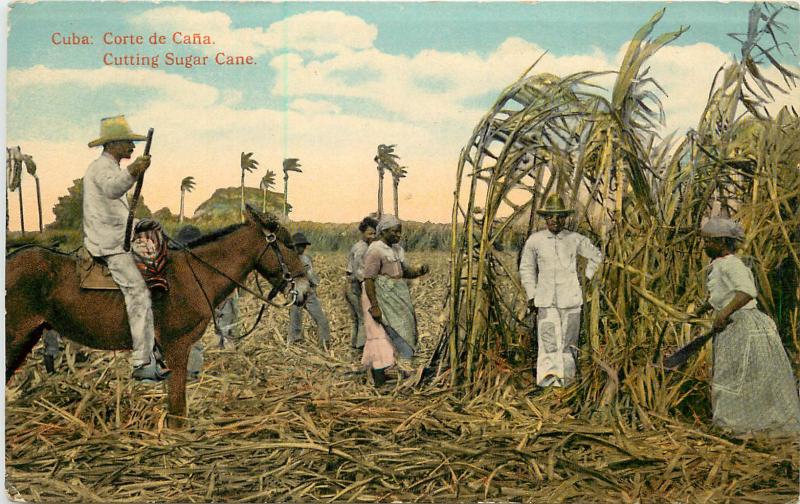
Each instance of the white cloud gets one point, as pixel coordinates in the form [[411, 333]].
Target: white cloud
[[434, 87], [173, 87], [317, 32], [322, 32], [344, 97], [168, 20]]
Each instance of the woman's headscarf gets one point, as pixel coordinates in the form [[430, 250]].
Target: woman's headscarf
[[719, 227], [387, 222]]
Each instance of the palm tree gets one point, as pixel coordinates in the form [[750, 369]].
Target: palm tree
[[30, 166], [398, 172], [187, 185], [267, 183], [246, 164], [15, 180], [9, 181], [289, 164], [385, 161]]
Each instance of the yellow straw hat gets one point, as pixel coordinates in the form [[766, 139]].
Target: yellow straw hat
[[113, 129], [554, 205]]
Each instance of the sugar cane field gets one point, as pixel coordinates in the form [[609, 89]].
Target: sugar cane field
[[275, 423]]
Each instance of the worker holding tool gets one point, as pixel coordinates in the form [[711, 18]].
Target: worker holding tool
[[752, 388], [105, 215]]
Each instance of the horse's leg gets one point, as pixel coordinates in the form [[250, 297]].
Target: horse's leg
[[177, 354], [20, 341]]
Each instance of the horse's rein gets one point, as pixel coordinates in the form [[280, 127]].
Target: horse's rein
[[286, 277]]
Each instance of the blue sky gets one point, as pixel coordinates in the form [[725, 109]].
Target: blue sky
[[331, 81], [442, 26]]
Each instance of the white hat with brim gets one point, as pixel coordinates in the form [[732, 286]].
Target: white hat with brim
[[115, 129]]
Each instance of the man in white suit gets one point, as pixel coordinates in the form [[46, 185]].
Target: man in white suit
[[548, 271], [105, 215]]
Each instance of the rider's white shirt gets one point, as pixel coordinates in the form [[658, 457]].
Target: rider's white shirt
[[105, 208]]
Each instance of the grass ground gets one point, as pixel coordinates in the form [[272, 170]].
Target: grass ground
[[273, 423]]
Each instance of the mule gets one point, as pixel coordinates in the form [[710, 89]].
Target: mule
[[42, 290]]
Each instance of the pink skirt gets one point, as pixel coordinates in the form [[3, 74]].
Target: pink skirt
[[378, 350]]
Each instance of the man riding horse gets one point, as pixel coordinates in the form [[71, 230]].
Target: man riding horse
[[105, 214]]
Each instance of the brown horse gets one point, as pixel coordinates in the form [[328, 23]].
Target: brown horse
[[42, 290]]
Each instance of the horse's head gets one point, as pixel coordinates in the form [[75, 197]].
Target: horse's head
[[278, 262]]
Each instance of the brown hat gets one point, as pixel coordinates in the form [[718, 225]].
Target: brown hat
[[114, 129], [554, 205]]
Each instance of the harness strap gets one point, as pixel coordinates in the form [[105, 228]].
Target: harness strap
[[205, 295], [271, 243], [258, 317], [183, 247]]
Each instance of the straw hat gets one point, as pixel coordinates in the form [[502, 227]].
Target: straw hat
[[114, 129], [554, 205]]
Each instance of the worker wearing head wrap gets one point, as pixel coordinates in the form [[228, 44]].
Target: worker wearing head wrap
[[752, 388], [392, 323]]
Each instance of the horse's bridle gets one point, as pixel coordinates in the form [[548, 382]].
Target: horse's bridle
[[286, 275]]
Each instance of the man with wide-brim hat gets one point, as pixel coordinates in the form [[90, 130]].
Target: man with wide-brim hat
[[548, 272], [554, 205], [105, 215], [312, 304]]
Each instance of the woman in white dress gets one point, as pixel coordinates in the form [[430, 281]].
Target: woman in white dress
[[753, 388]]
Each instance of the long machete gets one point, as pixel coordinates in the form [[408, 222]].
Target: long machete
[[680, 357], [136, 194]]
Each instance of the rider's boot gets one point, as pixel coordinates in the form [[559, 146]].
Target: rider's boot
[[151, 372]]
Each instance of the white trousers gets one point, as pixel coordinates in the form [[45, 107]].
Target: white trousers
[[137, 303], [557, 332]]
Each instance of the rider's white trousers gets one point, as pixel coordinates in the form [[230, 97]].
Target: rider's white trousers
[[137, 303]]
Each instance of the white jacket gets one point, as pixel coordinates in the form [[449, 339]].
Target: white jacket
[[105, 208], [548, 268]]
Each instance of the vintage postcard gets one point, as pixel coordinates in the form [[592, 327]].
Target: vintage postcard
[[402, 251]]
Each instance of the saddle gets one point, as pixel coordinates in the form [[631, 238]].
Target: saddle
[[149, 248]]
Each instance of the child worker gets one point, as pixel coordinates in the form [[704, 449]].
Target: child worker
[[312, 304]]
